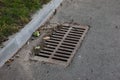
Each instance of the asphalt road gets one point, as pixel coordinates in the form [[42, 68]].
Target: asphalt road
[[97, 59]]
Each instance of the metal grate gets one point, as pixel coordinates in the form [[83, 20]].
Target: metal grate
[[62, 45]]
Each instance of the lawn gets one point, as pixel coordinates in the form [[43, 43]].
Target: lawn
[[14, 14]]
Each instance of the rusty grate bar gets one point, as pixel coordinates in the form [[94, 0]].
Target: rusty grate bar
[[62, 45]]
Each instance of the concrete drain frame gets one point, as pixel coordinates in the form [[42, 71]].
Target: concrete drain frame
[[62, 45]]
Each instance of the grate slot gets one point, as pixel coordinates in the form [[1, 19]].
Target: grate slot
[[73, 37], [68, 44], [53, 41], [78, 28], [65, 50], [71, 42], [54, 36], [76, 32], [59, 59], [47, 50], [67, 47], [61, 52], [56, 39], [61, 56], [50, 41], [43, 52], [52, 44], [58, 34], [51, 47], [41, 55], [63, 30]]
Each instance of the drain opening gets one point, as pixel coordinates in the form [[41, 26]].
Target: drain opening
[[51, 47], [40, 55], [73, 37], [62, 52], [67, 47], [62, 45], [55, 39], [53, 36], [50, 44], [64, 49], [44, 52], [63, 56], [53, 42], [70, 42], [59, 59], [47, 50]]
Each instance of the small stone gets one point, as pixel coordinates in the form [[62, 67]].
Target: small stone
[[17, 56], [79, 56], [47, 72], [116, 27], [28, 43], [91, 70]]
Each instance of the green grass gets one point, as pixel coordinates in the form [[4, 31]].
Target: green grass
[[14, 14]]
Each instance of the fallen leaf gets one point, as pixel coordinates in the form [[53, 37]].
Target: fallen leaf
[[46, 38], [37, 47], [36, 34], [10, 60]]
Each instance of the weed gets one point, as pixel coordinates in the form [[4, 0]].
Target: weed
[[14, 14]]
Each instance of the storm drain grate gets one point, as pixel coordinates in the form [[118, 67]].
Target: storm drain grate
[[62, 45]]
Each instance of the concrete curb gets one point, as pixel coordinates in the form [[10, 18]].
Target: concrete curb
[[21, 37]]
